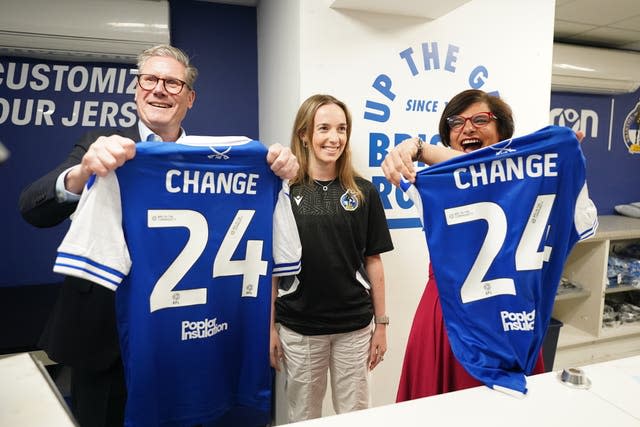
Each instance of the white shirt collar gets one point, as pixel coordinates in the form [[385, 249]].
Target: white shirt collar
[[145, 131]]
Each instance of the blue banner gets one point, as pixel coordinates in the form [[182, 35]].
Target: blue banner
[[611, 144], [45, 107]]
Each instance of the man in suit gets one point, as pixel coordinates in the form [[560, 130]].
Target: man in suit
[[81, 332]]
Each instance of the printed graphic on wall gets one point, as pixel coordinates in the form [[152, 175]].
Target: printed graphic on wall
[[630, 130], [44, 108], [583, 119], [55, 94], [407, 100], [611, 143]]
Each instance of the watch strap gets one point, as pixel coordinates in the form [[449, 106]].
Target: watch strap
[[381, 320]]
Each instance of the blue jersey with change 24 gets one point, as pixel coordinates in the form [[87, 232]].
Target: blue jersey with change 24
[[500, 223], [188, 237]]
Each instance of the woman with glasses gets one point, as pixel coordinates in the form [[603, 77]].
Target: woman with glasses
[[472, 120]]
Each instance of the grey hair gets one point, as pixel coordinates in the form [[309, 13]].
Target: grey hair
[[172, 52]]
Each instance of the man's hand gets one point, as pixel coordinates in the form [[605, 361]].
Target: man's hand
[[103, 156], [282, 161]]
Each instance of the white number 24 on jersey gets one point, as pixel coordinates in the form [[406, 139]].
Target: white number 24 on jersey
[[475, 287], [250, 268]]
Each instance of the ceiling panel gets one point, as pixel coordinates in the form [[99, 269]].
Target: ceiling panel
[[606, 23], [610, 23], [596, 12], [566, 28], [606, 36], [632, 23]]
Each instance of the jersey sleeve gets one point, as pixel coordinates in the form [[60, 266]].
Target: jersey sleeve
[[94, 248], [586, 215], [287, 249], [412, 192]]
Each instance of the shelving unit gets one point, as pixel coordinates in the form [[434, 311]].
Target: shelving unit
[[583, 339], [582, 293]]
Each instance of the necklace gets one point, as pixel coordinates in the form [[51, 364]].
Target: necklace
[[325, 187]]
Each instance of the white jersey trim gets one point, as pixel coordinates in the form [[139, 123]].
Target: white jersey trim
[[287, 249], [586, 215], [105, 264]]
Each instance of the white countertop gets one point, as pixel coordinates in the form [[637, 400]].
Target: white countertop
[[27, 397], [612, 400]]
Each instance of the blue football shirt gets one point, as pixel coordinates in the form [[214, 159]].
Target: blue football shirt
[[188, 236], [500, 223]]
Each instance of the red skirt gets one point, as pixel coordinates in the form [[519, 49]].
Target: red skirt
[[430, 366]]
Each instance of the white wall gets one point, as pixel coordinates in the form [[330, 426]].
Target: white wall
[[278, 68], [343, 52]]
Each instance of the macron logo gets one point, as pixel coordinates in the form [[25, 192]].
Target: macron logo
[[202, 329], [521, 321]]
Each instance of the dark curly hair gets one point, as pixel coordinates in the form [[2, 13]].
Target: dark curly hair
[[464, 99]]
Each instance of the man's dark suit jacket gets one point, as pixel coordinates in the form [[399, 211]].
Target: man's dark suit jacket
[[81, 331]]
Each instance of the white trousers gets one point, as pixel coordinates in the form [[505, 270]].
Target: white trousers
[[307, 358]]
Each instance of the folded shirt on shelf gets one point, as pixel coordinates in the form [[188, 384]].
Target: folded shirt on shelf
[[630, 209]]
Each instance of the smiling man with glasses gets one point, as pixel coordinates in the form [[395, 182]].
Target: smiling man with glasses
[[162, 107], [81, 332], [171, 85]]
